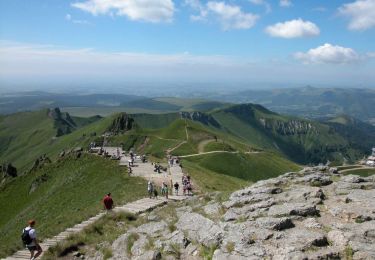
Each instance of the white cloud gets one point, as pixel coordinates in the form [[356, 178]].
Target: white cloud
[[144, 10], [229, 16], [285, 3], [46, 66], [361, 14], [328, 53], [68, 17], [293, 29]]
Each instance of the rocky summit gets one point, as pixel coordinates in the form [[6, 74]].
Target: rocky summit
[[315, 213]]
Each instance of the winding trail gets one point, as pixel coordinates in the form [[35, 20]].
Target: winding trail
[[140, 169], [210, 152], [360, 167]]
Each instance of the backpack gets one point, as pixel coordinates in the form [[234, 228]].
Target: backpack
[[26, 239]]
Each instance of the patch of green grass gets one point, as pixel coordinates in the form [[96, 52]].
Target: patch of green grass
[[241, 219], [150, 243], [71, 194], [362, 172], [209, 181], [26, 136], [131, 240], [106, 229], [347, 167], [107, 253], [207, 252], [230, 247], [250, 167], [218, 146], [335, 178], [185, 149], [174, 249], [315, 184], [349, 253]]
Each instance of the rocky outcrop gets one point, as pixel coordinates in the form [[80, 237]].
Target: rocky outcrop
[[201, 117], [40, 162], [315, 213], [8, 170], [121, 124], [63, 123], [291, 127]]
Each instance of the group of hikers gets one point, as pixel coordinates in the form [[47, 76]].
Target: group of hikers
[[29, 236]]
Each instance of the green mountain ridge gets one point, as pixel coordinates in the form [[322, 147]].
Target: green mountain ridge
[[225, 149]]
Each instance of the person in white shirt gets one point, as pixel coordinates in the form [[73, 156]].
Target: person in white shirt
[[33, 245]]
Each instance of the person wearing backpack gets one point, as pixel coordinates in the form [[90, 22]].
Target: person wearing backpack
[[30, 241]]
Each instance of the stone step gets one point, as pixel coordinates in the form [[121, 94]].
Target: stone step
[[145, 170]]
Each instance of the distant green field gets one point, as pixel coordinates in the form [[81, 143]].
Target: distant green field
[[67, 192], [362, 172]]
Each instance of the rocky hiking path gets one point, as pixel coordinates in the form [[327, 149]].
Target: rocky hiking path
[[145, 170], [315, 213]]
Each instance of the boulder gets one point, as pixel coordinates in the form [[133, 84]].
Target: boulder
[[275, 223], [297, 209], [201, 229]]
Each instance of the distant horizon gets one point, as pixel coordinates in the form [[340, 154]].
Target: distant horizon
[[106, 43], [148, 92]]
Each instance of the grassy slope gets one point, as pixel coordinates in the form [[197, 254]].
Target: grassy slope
[[26, 136], [317, 144], [362, 172], [209, 181], [250, 167], [71, 194]]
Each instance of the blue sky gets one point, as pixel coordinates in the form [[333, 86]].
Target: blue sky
[[249, 41]]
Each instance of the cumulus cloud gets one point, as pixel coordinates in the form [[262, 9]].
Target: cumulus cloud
[[328, 53], [229, 16], [144, 10], [293, 29], [285, 3], [361, 14]]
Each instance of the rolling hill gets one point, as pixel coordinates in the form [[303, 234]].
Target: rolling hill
[[222, 149], [310, 102]]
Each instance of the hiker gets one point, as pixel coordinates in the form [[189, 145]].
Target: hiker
[[30, 240], [164, 190], [189, 188], [150, 189], [176, 186], [108, 202], [155, 193]]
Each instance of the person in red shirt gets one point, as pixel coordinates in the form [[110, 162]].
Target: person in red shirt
[[108, 202]]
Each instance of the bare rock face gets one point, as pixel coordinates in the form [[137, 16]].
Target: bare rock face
[[312, 214], [201, 229]]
